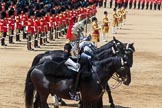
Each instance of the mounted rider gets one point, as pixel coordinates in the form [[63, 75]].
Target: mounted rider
[[72, 52]]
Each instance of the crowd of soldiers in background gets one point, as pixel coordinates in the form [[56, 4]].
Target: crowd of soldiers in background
[[45, 20], [40, 20], [135, 4]]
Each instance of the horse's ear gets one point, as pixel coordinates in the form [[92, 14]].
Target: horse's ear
[[132, 44], [114, 38]]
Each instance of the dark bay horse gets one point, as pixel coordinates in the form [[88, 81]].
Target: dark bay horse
[[36, 80]]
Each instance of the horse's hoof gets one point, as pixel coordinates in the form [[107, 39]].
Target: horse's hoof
[[56, 106], [63, 103], [112, 106]]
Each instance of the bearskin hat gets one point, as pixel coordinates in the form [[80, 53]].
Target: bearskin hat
[[43, 13], [30, 12], [37, 14], [25, 10], [37, 6], [52, 11], [3, 15], [11, 12], [18, 11]]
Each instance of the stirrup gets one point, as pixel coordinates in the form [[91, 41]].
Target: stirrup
[[74, 96]]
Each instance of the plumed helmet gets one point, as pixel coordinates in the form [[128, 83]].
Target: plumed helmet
[[74, 31]]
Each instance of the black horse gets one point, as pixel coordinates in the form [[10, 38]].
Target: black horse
[[45, 84], [103, 53]]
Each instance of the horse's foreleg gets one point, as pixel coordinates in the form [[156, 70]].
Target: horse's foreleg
[[112, 105], [43, 99]]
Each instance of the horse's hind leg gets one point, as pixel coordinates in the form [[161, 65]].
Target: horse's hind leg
[[112, 105], [37, 101], [43, 99]]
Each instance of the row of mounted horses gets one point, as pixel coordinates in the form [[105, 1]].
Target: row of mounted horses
[[49, 75]]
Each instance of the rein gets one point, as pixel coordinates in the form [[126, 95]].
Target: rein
[[117, 83], [98, 81]]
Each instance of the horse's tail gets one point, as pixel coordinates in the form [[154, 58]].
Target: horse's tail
[[36, 59], [29, 90]]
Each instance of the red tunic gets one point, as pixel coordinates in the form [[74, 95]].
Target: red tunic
[[30, 26], [5, 25], [10, 22], [42, 25], [18, 23], [24, 20]]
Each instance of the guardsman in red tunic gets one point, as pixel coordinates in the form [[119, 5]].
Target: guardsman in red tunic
[[46, 26], [36, 29], [42, 28], [30, 29], [24, 19], [51, 25], [3, 28], [10, 25], [18, 24]]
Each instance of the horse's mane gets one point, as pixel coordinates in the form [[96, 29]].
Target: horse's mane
[[104, 53], [107, 62]]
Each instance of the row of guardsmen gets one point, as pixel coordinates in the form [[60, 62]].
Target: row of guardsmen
[[40, 25], [139, 4]]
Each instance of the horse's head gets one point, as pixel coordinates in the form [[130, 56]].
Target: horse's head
[[129, 49], [125, 73]]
